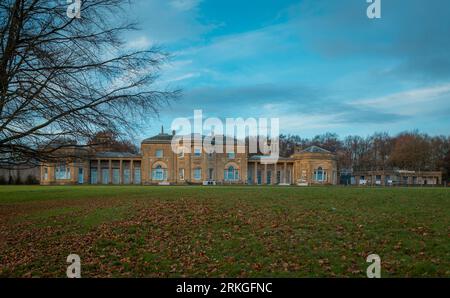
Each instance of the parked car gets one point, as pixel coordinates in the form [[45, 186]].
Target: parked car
[[209, 182]]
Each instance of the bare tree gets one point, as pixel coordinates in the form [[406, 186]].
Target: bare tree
[[63, 77], [108, 141], [411, 151], [380, 151]]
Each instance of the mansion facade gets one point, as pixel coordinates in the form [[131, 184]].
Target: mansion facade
[[157, 164]]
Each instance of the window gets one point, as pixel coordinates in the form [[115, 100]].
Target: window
[[231, 155], [105, 176], [45, 173], [388, 180], [278, 177], [231, 174], [319, 175], [181, 174], [159, 153], [405, 179], [62, 172], [94, 176], [197, 152], [116, 176], [198, 174], [126, 176], [159, 174], [137, 175], [269, 177], [259, 177]]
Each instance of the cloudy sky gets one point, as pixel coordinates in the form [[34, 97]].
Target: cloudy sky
[[318, 65]]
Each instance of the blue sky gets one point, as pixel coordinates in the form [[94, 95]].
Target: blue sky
[[317, 65]]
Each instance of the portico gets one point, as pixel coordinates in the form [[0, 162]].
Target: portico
[[115, 168], [279, 173]]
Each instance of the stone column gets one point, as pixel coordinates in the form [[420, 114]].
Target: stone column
[[255, 174], [121, 171], [292, 175], [265, 175], [131, 172], [99, 171], [174, 168], [275, 175], [285, 173], [110, 171]]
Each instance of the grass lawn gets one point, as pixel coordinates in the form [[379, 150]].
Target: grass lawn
[[121, 231]]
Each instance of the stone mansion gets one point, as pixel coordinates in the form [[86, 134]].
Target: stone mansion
[[157, 164]]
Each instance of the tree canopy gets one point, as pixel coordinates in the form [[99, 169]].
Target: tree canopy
[[70, 77]]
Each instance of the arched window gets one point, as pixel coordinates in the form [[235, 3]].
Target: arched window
[[159, 174], [231, 174], [319, 174]]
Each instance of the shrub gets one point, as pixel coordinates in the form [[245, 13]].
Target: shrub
[[31, 180], [18, 180]]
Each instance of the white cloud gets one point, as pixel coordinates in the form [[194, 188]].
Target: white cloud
[[169, 21], [139, 43], [244, 45], [185, 5], [308, 124], [411, 102], [182, 77]]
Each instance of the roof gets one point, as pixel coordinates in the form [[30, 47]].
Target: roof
[[166, 138], [260, 157], [162, 137], [314, 149], [117, 155]]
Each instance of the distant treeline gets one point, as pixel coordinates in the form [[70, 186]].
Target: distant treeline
[[407, 150]]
